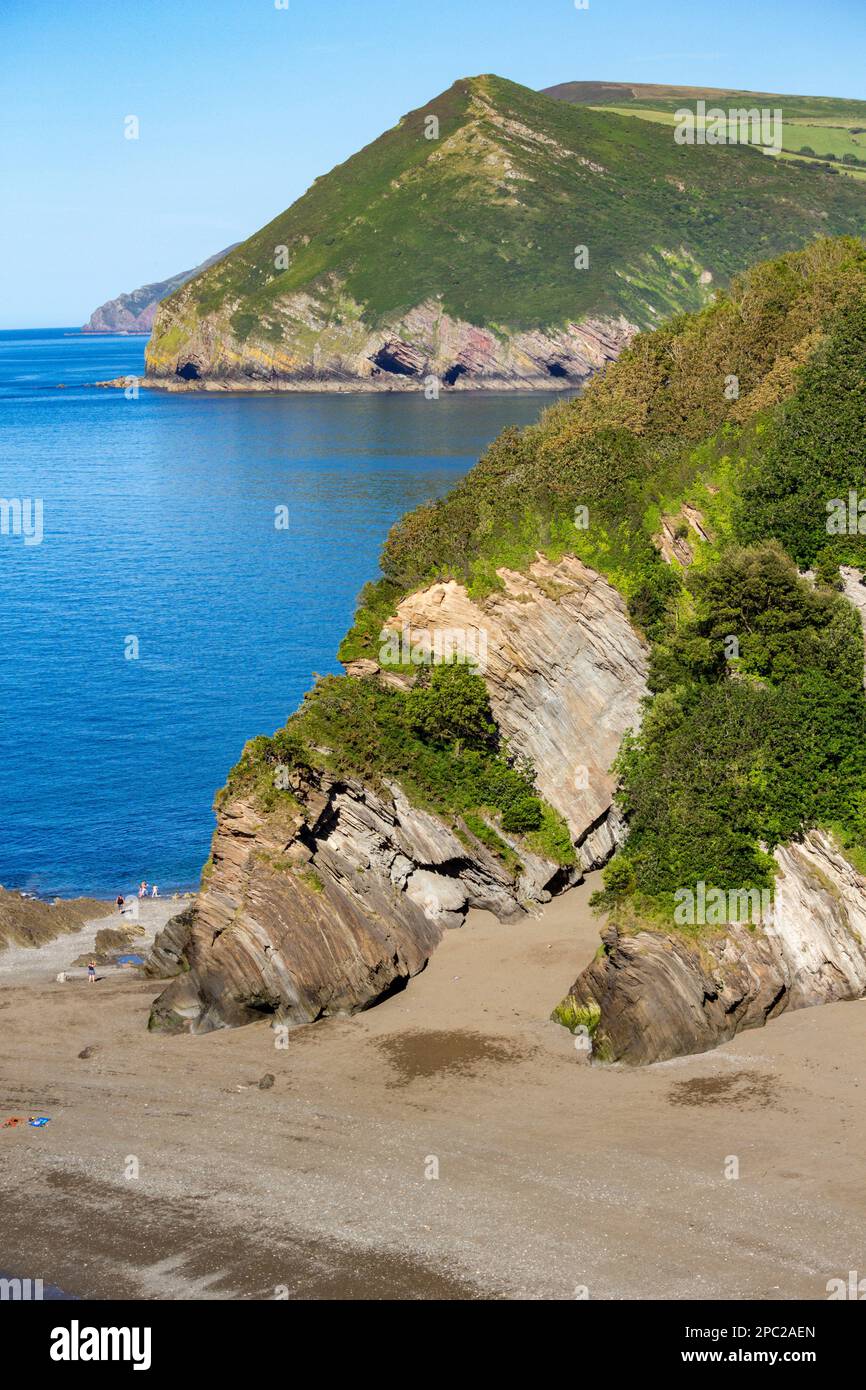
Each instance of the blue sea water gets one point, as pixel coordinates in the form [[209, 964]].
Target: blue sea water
[[158, 520]]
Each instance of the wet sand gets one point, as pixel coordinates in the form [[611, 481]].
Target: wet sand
[[553, 1176]]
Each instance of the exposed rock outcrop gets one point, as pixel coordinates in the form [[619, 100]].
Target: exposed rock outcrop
[[326, 905], [654, 995], [566, 673], [406, 353], [28, 921], [339, 896]]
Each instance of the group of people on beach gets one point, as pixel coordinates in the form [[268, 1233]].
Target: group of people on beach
[[120, 900], [120, 903]]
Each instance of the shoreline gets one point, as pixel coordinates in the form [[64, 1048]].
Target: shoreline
[[337, 386], [552, 1174]]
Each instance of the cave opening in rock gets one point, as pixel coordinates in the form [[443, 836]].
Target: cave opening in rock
[[453, 373], [556, 368], [388, 361], [189, 372]]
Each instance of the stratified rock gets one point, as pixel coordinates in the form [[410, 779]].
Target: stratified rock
[[566, 673], [656, 995], [326, 909], [167, 955], [31, 922]]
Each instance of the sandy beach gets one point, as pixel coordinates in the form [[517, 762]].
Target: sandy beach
[[556, 1179]]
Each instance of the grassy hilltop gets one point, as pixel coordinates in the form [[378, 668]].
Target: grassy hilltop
[[832, 129], [482, 222]]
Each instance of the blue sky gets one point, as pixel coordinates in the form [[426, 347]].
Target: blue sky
[[241, 105]]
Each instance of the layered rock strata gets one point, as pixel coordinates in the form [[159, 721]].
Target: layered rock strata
[[655, 995], [420, 350], [328, 908], [340, 895]]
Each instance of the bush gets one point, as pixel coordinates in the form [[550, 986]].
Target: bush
[[453, 710]]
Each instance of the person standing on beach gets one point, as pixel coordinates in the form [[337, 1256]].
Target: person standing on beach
[[142, 891], [91, 972], [119, 901], [154, 892]]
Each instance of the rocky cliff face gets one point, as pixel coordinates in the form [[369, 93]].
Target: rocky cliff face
[[566, 673], [655, 995], [328, 909], [423, 349], [338, 897]]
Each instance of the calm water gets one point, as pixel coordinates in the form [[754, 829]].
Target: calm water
[[159, 525]]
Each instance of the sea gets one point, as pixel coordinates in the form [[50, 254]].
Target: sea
[[173, 571]]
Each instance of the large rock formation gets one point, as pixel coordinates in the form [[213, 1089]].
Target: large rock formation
[[26, 921], [654, 995], [406, 352], [327, 908], [566, 673], [340, 895]]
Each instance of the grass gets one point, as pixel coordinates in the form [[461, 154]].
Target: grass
[[829, 135], [574, 1016], [484, 221], [362, 730]]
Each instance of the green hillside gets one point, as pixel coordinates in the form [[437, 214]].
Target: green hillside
[[826, 128], [482, 222], [742, 747]]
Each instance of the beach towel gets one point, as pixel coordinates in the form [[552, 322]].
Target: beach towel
[[37, 1121]]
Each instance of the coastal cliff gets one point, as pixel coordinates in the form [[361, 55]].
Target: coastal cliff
[[495, 238], [629, 638], [319, 351], [331, 901], [653, 995]]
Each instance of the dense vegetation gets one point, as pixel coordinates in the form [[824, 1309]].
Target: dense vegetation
[[485, 220], [438, 740], [755, 728], [744, 744], [738, 754]]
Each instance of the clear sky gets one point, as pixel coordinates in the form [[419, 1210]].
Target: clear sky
[[241, 105]]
